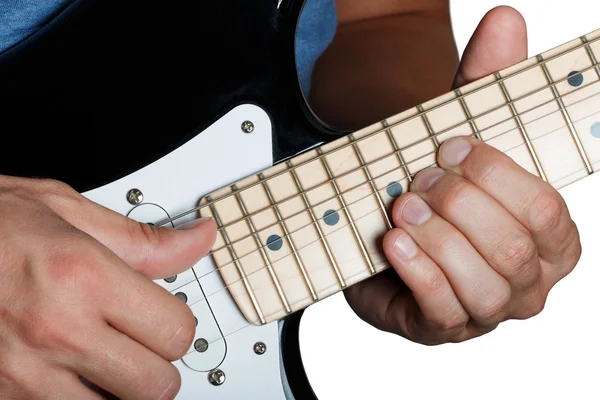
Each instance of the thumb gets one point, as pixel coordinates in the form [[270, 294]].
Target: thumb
[[499, 41], [157, 252]]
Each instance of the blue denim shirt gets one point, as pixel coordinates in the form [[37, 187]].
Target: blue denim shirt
[[20, 19]]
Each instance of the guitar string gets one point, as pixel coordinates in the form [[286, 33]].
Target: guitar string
[[396, 152], [420, 114], [583, 169], [346, 225], [373, 194], [380, 176], [335, 285], [377, 209]]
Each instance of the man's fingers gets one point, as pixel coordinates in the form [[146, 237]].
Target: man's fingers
[[500, 239], [499, 42], [127, 369], [155, 252], [39, 380], [63, 384], [482, 291], [441, 309], [533, 202], [146, 312]]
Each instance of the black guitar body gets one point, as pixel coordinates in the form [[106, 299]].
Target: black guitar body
[[109, 86]]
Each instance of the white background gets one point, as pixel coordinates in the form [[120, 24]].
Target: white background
[[555, 355]]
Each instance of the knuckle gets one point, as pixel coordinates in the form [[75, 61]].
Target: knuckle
[[570, 252], [164, 388], [545, 212], [432, 282], [182, 337], [55, 186], [145, 238], [492, 308], [57, 195], [574, 255], [572, 249], [453, 323], [487, 173], [537, 306], [143, 233], [74, 270], [534, 305], [456, 194], [446, 247], [46, 328], [516, 253]]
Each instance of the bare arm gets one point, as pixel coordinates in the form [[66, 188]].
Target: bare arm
[[387, 56]]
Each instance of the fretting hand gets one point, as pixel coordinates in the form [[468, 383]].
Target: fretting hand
[[478, 240]]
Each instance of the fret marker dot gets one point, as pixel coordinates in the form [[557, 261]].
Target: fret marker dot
[[331, 217], [596, 130], [274, 242], [394, 189], [575, 78]]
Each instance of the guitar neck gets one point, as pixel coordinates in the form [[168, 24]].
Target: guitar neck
[[308, 228]]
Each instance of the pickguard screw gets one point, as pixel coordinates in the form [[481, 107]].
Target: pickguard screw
[[260, 348], [135, 196], [247, 127], [216, 377]]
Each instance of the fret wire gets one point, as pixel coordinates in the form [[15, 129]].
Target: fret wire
[[307, 280], [420, 157], [192, 210], [432, 134], [302, 300], [298, 302], [591, 55], [567, 117], [331, 198], [396, 149], [347, 212], [465, 108], [427, 138], [339, 228], [369, 213], [355, 275], [371, 181], [492, 138], [238, 265], [316, 223], [522, 129], [263, 253], [384, 267]]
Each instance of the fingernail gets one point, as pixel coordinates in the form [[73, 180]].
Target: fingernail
[[427, 178], [405, 247], [192, 224], [454, 151], [416, 211]]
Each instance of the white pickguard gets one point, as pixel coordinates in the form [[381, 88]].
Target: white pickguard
[[220, 155]]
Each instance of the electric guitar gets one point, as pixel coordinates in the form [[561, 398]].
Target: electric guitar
[[203, 116]]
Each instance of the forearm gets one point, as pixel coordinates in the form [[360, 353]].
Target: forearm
[[381, 64]]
